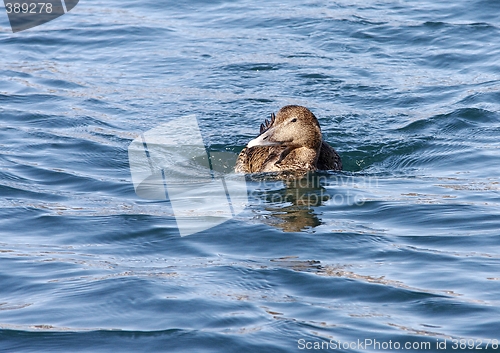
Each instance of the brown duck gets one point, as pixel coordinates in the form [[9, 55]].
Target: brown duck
[[291, 141]]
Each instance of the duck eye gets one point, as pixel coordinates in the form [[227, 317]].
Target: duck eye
[[294, 120]]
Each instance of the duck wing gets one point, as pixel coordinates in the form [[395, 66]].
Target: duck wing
[[267, 124], [257, 159], [328, 158]]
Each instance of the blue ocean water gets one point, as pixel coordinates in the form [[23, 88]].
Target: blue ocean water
[[401, 248]]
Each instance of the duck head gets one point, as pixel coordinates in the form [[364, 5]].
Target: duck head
[[292, 127]]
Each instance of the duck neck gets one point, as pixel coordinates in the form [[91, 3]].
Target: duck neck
[[302, 157]]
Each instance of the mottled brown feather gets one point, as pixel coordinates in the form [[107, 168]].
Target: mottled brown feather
[[288, 158]]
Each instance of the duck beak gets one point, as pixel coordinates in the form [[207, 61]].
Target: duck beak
[[266, 139]]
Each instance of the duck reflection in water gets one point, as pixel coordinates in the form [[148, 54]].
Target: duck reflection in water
[[289, 204]]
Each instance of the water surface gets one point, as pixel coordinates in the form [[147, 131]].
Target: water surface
[[401, 246]]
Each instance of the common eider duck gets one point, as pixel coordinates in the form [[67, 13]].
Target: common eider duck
[[290, 141]]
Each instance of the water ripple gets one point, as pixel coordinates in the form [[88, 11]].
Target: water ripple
[[402, 245]]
